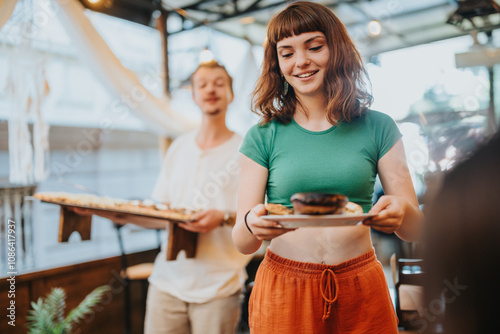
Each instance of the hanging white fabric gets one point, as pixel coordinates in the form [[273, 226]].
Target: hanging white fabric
[[121, 82], [26, 90], [243, 85]]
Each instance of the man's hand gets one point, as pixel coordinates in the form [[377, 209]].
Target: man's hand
[[205, 221]]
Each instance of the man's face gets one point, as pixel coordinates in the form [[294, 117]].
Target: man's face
[[211, 91]]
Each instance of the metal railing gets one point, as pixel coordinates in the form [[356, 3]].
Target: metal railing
[[16, 227]]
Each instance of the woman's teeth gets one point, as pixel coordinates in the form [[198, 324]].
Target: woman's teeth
[[305, 75]]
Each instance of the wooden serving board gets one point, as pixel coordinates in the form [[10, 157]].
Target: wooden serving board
[[178, 238]]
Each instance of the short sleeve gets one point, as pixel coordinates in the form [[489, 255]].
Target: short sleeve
[[257, 143], [384, 130]]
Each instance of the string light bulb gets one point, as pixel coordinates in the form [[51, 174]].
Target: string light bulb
[[206, 56], [374, 28], [98, 4]]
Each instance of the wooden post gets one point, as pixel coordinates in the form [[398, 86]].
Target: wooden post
[[165, 143], [70, 222], [162, 28], [492, 124], [180, 239]]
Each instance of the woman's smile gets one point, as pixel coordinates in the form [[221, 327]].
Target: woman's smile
[[303, 60]]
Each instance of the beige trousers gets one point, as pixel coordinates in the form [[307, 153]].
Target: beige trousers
[[166, 314]]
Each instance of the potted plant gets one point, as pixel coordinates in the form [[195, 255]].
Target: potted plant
[[47, 315]]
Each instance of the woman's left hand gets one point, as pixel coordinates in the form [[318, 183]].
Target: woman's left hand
[[389, 211]]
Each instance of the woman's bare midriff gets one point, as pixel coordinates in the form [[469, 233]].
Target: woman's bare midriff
[[329, 245]]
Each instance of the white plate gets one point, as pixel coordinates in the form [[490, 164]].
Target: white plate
[[294, 221]]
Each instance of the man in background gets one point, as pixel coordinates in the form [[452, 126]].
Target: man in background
[[200, 171], [200, 295]]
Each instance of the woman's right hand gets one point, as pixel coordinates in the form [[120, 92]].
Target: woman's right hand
[[264, 229]]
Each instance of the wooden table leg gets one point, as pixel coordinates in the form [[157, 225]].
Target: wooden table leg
[[180, 239], [70, 222]]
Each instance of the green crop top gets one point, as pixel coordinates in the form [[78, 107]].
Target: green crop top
[[342, 159]]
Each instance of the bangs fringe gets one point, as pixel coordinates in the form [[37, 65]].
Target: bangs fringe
[[293, 22]]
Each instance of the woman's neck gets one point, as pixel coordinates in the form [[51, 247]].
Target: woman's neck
[[311, 113]]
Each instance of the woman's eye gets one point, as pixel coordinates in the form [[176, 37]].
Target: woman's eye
[[287, 55], [316, 48]]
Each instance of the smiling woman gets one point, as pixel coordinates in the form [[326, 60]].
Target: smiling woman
[[303, 61], [319, 136], [324, 42]]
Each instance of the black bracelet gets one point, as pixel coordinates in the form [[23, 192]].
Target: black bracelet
[[246, 224]]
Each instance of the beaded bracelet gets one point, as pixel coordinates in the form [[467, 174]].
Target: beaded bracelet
[[249, 230]]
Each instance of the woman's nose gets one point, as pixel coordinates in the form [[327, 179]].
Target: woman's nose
[[302, 59]]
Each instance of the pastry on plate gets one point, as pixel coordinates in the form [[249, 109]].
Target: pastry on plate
[[278, 209], [318, 203]]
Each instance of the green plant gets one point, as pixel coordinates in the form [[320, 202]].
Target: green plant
[[47, 315]]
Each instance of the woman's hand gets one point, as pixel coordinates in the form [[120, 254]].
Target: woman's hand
[[264, 229], [205, 221], [399, 210], [390, 211]]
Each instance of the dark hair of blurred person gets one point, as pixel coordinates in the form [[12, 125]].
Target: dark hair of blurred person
[[461, 246]]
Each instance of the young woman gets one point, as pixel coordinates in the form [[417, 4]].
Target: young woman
[[318, 135]]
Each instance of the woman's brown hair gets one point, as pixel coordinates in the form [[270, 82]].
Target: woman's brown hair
[[345, 86]]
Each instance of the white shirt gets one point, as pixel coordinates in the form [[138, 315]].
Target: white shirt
[[197, 179]]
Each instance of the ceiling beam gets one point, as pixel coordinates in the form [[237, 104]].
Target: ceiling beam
[[375, 52], [223, 16]]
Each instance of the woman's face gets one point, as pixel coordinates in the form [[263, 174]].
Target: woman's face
[[303, 61]]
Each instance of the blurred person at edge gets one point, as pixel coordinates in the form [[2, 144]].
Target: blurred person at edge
[[200, 295], [317, 134], [461, 253]]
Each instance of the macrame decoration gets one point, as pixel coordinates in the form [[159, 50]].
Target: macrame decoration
[[27, 87]]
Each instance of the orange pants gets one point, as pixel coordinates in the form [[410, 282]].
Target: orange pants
[[292, 297]]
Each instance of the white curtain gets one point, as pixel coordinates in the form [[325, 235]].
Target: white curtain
[[121, 82], [26, 88], [244, 79], [6, 9]]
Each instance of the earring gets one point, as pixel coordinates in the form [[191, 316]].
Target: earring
[[285, 88]]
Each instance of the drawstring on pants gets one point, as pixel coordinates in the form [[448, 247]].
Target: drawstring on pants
[[327, 278]]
